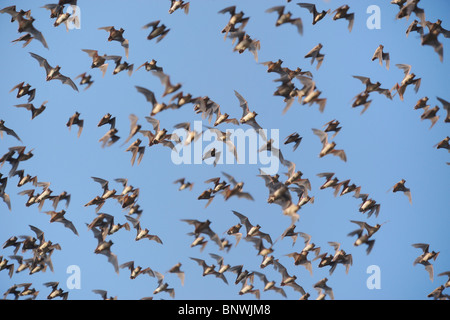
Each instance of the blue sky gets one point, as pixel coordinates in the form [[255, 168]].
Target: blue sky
[[385, 144]]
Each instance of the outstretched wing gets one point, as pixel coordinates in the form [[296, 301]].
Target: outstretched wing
[[66, 80], [323, 136], [149, 95], [243, 103], [37, 35], [42, 62]]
